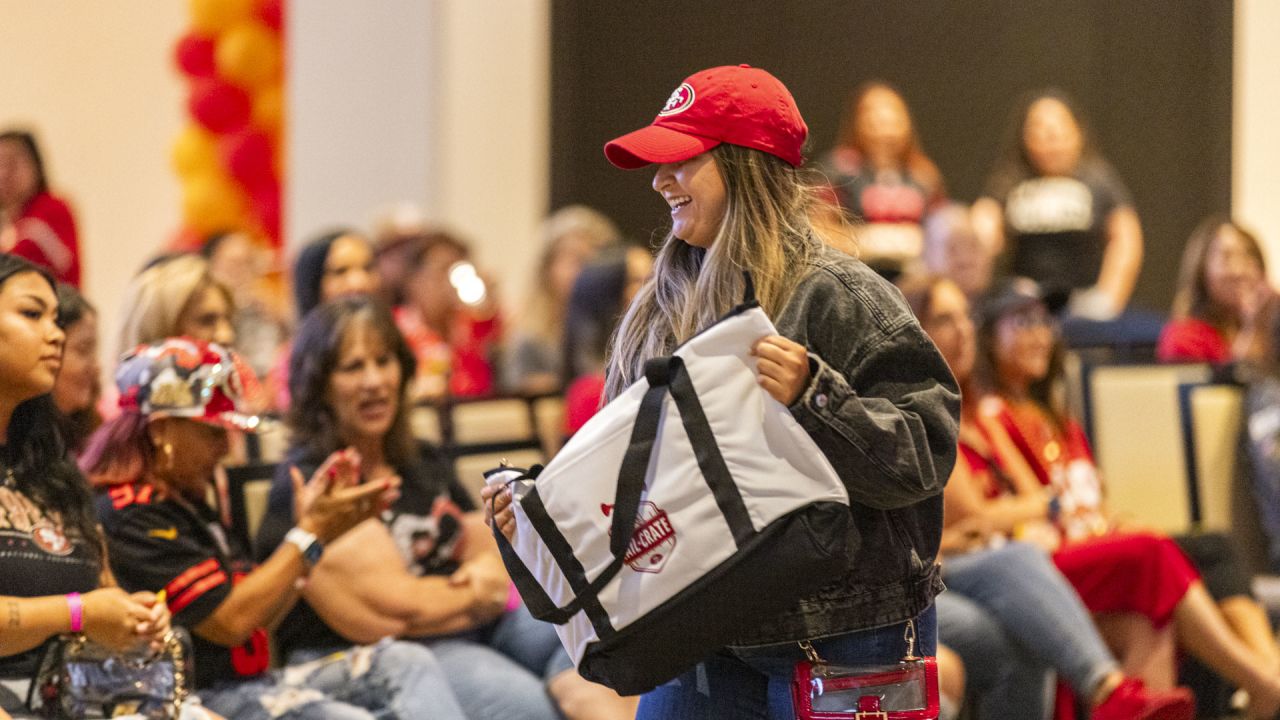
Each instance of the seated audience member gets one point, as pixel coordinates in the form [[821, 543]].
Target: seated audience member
[[181, 397], [176, 296], [1222, 297], [34, 223], [334, 264], [240, 264], [1060, 212], [572, 236], [600, 296], [53, 575], [1261, 427], [429, 570], [397, 230], [880, 175], [79, 385], [1014, 585], [952, 250], [452, 337], [1035, 478]]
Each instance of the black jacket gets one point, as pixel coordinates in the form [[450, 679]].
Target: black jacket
[[884, 408]]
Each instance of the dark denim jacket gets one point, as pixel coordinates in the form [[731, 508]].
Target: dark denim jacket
[[884, 408]]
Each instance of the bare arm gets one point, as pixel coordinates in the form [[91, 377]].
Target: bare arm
[[363, 590], [1122, 258], [260, 599], [970, 514], [110, 616]]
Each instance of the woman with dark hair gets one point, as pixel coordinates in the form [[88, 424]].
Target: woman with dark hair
[[180, 398], [1222, 297], [34, 223], [53, 573], [1039, 460], [1014, 586], [1059, 212], [429, 571], [79, 385], [453, 337], [337, 263], [880, 174], [600, 296], [849, 362]]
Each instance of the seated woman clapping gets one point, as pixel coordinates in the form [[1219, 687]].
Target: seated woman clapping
[[179, 397], [429, 570]]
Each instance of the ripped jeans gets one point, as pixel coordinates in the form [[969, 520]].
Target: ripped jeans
[[387, 681]]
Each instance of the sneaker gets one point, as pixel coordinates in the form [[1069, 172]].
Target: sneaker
[[1131, 700]]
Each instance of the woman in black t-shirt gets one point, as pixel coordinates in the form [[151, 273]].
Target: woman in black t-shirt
[[52, 575], [1059, 212], [430, 570]]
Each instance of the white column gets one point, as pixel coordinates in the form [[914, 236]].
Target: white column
[[360, 119], [444, 103], [1256, 143]]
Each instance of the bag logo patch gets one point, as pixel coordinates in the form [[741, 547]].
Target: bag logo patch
[[653, 540]]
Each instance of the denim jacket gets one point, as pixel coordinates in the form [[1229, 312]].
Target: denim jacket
[[883, 407]]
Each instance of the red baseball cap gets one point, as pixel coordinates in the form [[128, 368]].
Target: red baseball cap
[[735, 104]]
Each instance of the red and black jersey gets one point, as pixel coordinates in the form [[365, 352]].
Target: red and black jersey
[[158, 543]]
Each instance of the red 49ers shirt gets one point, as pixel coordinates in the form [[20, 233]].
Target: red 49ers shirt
[[169, 544]]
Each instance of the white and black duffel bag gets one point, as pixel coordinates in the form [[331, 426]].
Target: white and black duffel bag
[[688, 512]]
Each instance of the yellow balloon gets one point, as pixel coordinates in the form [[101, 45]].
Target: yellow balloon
[[195, 152], [211, 17], [268, 109], [248, 54], [211, 203]]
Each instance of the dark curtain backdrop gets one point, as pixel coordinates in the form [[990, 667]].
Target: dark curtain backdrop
[[1153, 76]]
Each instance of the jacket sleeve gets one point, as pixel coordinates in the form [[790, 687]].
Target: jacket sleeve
[[881, 402]]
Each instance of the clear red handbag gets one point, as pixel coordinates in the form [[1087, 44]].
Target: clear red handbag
[[906, 690]]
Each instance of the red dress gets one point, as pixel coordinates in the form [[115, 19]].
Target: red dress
[[1111, 571], [45, 234], [1192, 340]]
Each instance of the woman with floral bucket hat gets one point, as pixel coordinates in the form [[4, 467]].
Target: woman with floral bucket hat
[[178, 399]]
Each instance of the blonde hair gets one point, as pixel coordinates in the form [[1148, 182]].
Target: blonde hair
[[155, 299], [543, 318], [768, 230]]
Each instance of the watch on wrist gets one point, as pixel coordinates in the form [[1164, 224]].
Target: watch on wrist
[[307, 543]]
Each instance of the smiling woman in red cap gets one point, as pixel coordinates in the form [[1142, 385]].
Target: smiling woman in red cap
[[851, 363]]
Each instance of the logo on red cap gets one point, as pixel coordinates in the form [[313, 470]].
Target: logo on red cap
[[681, 99]]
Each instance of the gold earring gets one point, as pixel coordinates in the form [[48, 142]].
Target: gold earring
[[166, 448]]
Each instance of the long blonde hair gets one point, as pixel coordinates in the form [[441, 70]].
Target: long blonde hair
[[156, 297], [768, 230]]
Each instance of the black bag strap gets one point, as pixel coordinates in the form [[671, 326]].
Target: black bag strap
[[665, 375]]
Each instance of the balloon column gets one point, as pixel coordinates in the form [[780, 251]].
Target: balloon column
[[228, 157]]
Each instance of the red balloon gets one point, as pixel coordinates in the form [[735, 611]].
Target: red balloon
[[264, 202], [271, 13], [219, 106], [194, 55], [247, 157]]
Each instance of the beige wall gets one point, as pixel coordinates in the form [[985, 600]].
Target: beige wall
[[441, 103], [1256, 147], [95, 80]]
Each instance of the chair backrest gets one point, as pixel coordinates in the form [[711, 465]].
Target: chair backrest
[[248, 487], [1137, 438]]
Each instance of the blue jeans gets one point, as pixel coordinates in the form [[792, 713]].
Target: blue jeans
[[1004, 678], [501, 671], [386, 681], [1020, 588], [754, 683]]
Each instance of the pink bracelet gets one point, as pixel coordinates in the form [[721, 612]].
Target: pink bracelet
[[76, 606]]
